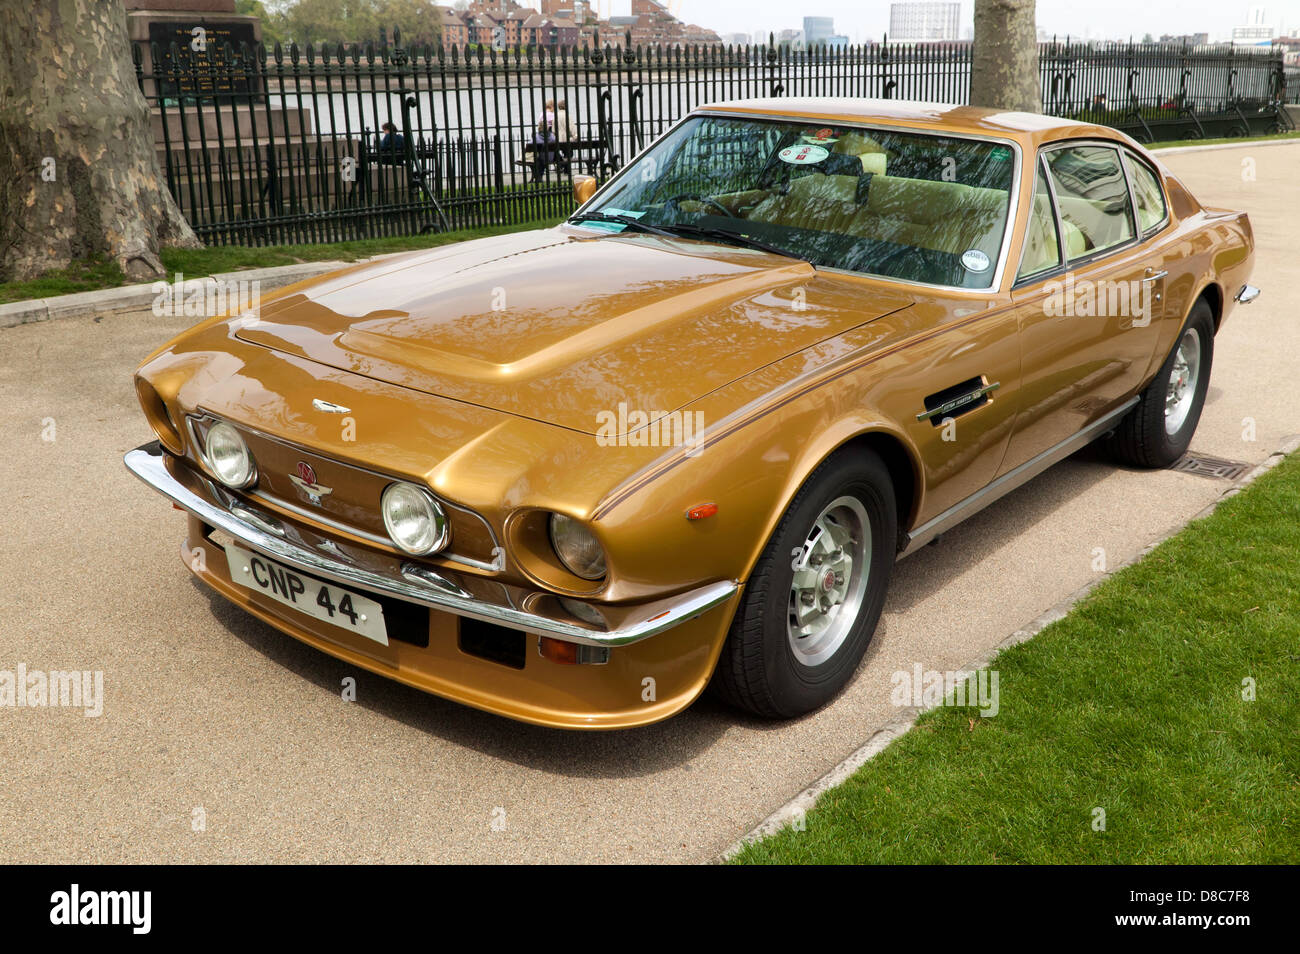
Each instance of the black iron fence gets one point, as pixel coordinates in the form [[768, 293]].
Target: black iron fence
[[324, 144]]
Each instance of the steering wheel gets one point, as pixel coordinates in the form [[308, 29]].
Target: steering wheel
[[699, 198]]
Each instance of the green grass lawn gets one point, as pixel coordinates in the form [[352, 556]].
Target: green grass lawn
[[1133, 704], [196, 263], [1171, 143]]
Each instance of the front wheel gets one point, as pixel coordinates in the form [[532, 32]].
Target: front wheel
[[1159, 429], [813, 601]]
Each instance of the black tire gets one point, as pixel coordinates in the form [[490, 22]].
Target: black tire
[[758, 670], [1141, 439]]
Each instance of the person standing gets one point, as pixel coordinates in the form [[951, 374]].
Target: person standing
[[564, 133]]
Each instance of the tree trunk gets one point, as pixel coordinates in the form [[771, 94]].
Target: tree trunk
[[1004, 67], [78, 173]]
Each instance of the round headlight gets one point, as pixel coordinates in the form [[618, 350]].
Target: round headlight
[[577, 548], [414, 519], [228, 456]]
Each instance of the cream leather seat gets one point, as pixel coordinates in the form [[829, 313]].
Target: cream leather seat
[[942, 216]]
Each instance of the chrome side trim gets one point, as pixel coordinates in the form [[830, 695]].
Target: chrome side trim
[[423, 586], [1012, 479], [1246, 294]]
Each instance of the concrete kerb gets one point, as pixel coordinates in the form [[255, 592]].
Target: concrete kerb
[[136, 297]]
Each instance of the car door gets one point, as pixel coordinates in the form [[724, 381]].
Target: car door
[[961, 386], [1089, 293]]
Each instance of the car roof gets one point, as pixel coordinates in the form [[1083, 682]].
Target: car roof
[[1026, 127]]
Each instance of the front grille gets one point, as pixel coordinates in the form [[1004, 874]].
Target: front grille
[[350, 503]]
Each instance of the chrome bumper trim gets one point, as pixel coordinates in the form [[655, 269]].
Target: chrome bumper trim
[[418, 584], [1246, 294], [1012, 479]]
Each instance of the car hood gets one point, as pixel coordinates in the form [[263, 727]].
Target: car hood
[[566, 329]]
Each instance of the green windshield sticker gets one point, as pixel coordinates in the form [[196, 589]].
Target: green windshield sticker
[[1000, 153], [611, 226]]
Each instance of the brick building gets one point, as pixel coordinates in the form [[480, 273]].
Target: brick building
[[553, 23]]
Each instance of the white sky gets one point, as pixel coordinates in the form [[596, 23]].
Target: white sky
[[1099, 19]]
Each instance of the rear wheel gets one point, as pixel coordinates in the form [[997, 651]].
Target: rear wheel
[[813, 601], [1159, 429]]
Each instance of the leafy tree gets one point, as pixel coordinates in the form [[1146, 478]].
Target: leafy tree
[[327, 21], [418, 20], [347, 21]]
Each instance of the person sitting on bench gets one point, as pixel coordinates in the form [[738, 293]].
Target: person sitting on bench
[[544, 140], [392, 145]]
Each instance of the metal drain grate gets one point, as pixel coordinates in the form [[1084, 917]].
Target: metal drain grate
[[1216, 468]]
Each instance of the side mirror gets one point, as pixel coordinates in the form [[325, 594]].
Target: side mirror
[[584, 187]]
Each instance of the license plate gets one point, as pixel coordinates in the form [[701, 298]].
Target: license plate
[[350, 611]]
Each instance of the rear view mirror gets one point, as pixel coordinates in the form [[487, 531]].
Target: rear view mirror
[[584, 187]]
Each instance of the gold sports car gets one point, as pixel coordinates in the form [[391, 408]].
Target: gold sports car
[[574, 476]]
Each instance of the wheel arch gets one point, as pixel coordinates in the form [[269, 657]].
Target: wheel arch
[[1212, 292], [889, 444]]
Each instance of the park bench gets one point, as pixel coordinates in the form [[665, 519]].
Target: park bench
[[592, 154]]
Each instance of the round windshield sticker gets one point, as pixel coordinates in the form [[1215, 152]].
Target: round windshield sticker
[[974, 260], [805, 155]]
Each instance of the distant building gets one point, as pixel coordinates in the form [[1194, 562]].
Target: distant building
[[1186, 39], [924, 21], [837, 41], [791, 38], [1255, 29], [655, 26], [554, 23], [817, 30], [454, 31]]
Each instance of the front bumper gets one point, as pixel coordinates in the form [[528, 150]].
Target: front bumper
[[491, 602]]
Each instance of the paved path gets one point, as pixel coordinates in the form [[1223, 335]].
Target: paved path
[[207, 708]]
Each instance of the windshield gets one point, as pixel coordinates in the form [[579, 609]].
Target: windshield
[[882, 202]]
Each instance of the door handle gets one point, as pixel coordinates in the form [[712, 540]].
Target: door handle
[[1155, 278], [959, 401]]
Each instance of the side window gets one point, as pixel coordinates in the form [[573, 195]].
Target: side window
[[1091, 189], [1146, 187], [1042, 250]]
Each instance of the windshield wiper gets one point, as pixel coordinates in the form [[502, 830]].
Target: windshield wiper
[[726, 236], [627, 220]]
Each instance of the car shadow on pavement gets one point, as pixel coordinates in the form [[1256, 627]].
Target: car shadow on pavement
[[917, 577], [581, 754]]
